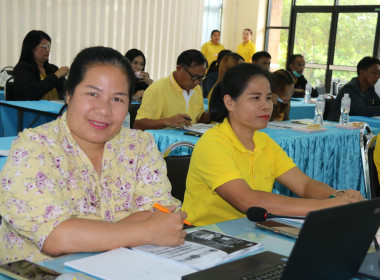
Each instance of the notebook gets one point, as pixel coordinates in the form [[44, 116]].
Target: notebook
[[332, 244]]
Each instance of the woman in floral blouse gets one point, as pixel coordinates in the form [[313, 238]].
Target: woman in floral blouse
[[82, 183]]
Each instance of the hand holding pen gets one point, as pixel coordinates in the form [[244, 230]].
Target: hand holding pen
[[163, 209]]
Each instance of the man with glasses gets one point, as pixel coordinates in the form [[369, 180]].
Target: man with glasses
[[175, 101], [364, 100]]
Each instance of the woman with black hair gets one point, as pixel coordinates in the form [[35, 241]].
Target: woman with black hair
[[34, 77], [138, 62], [233, 165], [84, 183], [282, 88]]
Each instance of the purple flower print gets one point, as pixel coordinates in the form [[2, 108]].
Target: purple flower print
[[6, 183], [108, 215], [132, 147], [48, 212]]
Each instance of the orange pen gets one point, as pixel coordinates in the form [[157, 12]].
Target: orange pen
[[163, 209]]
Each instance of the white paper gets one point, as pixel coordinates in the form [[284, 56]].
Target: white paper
[[199, 127], [203, 248], [123, 263], [4, 153]]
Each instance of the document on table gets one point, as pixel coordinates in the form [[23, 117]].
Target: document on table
[[123, 263], [4, 153]]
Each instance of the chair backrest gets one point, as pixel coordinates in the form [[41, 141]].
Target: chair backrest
[[9, 91], [367, 140], [133, 112], [372, 170], [177, 168], [328, 103]]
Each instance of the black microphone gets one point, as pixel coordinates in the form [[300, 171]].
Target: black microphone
[[258, 214]]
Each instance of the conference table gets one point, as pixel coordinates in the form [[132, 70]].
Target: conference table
[[17, 115], [241, 228], [332, 156], [373, 122], [301, 110]]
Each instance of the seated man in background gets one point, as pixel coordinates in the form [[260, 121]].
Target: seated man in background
[[295, 67], [262, 59], [364, 100], [177, 100]]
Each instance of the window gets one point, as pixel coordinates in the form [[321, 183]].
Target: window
[[212, 15], [332, 35]]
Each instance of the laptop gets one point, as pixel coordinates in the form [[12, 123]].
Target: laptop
[[332, 244]]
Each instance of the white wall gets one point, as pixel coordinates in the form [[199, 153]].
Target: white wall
[[162, 29]]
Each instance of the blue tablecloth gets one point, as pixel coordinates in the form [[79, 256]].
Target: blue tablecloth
[[372, 122], [8, 116], [5, 144], [301, 110], [332, 157]]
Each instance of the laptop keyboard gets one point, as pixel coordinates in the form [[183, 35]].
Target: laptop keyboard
[[271, 275]]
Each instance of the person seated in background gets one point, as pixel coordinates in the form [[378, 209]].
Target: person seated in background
[[83, 183], [262, 59], [212, 48], [212, 73], [364, 100], [34, 77], [177, 100], [227, 62], [296, 66], [138, 62], [246, 48], [282, 91], [233, 165]]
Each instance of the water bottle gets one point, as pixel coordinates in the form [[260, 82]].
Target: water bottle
[[345, 110], [127, 121], [319, 109], [308, 90]]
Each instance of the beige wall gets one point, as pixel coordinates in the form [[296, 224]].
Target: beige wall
[[240, 14], [162, 29]]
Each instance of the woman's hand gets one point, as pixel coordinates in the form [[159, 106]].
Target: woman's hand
[[274, 98], [144, 77], [166, 229]]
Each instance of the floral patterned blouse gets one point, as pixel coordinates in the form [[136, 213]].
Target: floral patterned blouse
[[48, 179]]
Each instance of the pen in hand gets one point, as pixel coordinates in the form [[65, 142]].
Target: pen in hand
[[163, 209]]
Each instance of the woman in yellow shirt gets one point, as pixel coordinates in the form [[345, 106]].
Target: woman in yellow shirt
[[246, 48], [233, 165], [84, 183]]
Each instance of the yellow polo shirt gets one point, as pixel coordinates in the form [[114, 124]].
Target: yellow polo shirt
[[246, 51], [376, 156], [220, 157], [211, 51], [165, 98]]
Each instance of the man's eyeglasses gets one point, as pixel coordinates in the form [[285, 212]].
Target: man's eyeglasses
[[46, 47], [195, 77]]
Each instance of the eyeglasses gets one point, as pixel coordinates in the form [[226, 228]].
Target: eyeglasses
[[46, 47], [195, 77]]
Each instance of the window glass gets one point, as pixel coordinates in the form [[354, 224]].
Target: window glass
[[280, 13], [341, 78], [212, 15], [315, 2], [354, 41], [315, 76], [277, 47], [358, 2], [312, 36]]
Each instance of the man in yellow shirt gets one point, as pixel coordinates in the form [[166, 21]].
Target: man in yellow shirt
[[246, 48], [212, 48], [177, 100]]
